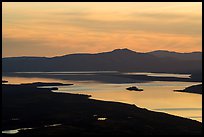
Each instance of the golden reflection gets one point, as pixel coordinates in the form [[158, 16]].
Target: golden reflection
[[157, 96]]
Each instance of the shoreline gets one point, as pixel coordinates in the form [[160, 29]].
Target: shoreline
[[115, 78], [83, 113], [196, 89]]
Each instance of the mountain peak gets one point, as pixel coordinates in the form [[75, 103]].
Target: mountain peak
[[123, 50]]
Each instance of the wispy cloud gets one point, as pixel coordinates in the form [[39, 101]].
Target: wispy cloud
[[100, 27]]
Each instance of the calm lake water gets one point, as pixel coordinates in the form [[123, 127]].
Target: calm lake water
[[157, 95]]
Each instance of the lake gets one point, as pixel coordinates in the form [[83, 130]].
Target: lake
[[157, 95]]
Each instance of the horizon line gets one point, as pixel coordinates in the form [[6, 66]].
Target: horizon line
[[101, 52]]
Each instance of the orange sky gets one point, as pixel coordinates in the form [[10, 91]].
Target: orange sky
[[50, 29]]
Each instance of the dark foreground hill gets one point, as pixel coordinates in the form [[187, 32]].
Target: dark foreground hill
[[25, 106], [116, 60]]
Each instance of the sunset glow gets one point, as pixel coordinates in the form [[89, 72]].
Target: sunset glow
[[51, 29]]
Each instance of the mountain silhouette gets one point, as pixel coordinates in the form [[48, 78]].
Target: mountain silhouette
[[116, 60], [176, 55]]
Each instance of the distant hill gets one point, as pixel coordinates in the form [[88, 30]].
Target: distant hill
[[176, 55], [116, 60]]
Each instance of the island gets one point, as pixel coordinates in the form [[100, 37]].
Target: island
[[4, 81], [134, 88], [30, 110], [192, 89], [38, 84], [54, 88]]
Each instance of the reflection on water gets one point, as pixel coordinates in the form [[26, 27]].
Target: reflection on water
[[19, 80], [53, 125], [161, 74], [154, 97], [102, 118], [15, 131], [157, 95]]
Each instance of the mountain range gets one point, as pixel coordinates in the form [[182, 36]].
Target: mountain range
[[116, 60]]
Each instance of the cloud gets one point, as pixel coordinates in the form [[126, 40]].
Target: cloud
[[169, 23], [97, 42], [70, 28]]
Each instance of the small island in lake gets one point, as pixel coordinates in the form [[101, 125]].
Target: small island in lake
[[54, 88], [38, 84], [134, 88], [4, 81]]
